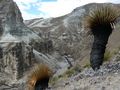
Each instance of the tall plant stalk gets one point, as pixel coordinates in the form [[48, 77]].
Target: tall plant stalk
[[101, 23]]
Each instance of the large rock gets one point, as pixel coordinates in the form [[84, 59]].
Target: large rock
[[17, 55], [15, 59], [11, 22]]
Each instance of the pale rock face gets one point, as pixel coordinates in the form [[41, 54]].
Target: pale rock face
[[11, 22], [16, 54], [15, 59]]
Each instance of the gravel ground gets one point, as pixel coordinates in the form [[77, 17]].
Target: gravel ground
[[107, 78]]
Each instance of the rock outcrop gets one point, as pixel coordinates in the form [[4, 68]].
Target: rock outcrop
[[17, 55], [11, 22], [15, 59]]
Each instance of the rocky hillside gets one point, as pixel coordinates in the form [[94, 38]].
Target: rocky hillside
[[60, 43], [17, 52], [107, 78], [68, 33], [70, 38]]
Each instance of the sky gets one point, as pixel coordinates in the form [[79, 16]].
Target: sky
[[52, 8]]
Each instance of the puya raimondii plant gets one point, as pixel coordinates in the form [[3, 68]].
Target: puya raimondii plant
[[101, 23]]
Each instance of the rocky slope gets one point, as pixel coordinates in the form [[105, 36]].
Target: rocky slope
[[16, 56], [68, 33], [12, 23], [56, 42], [17, 53], [70, 38], [107, 78]]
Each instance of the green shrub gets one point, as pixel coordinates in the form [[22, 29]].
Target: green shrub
[[107, 55], [72, 71], [87, 65], [53, 80]]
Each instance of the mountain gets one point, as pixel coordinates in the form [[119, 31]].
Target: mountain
[[68, 33], [17, 55], [12, 24], [60, 42], [70, 38]]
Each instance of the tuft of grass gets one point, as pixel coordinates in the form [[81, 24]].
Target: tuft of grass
[[69, 72], [107, 55], [87, 65], [38, 72], [53, 80], [72, 71]]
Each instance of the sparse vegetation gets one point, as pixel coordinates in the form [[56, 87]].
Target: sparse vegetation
[[54, 80], [107, 55], [70, 72], [87, 65]]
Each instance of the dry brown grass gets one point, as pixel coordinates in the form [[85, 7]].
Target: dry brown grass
[[103, 15], [38, 72]]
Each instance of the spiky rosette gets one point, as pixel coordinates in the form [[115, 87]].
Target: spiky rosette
[[38, 73], [101, 23], [102, 17]]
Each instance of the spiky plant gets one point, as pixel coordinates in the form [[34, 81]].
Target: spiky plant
[[38, 77], [101, 23]]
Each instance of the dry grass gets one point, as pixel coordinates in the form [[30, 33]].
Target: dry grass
[[37, 73], [101, 16], [107, 55]]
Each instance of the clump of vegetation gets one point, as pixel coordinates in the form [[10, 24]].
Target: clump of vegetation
[[107, 55], [87, 65], [70, 72], [38, 77], [54, 80]]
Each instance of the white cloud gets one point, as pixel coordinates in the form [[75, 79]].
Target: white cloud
[[114, 1], [24, 5], [28, 16], [62, 7], [26, 1], [54, 9]]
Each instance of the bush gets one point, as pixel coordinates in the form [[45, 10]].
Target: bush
[[72, 71], [107, 55], [53, 80], [87, 65]]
